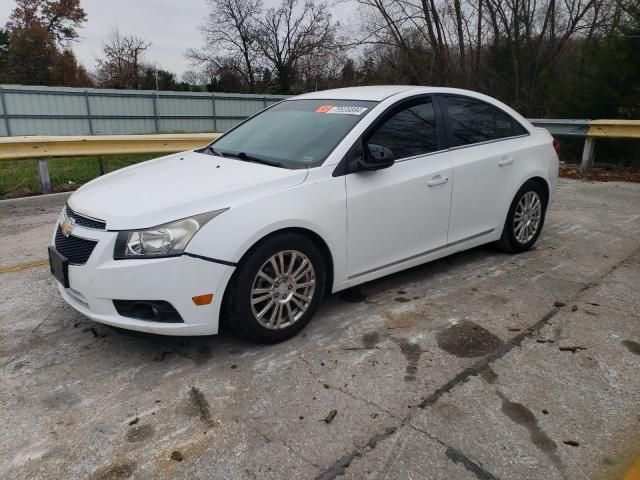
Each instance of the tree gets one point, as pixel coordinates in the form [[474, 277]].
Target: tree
[[60, 18], [4, 54], [193, 78], [508, 48], [295, 43], [292, 32], [30, 57], [153, 77], [30, 48], [68, 72], [121, 64], [230, 33], [601, 76]]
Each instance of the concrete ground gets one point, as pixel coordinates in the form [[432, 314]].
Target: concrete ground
[[478, 366]]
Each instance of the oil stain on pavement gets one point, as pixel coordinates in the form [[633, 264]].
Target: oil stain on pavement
[[521, 415], [467, 339], [412, 352], [139, 433], [633, 347], [115, 472], [370, 340], [201, 405]]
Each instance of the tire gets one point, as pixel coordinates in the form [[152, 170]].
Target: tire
[[517, 235], [270, 311]]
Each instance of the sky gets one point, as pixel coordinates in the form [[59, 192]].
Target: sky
[[172, 26]]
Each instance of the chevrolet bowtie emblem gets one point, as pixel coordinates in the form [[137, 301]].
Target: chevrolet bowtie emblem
[[66, 228]]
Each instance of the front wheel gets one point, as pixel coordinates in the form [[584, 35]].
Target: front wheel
[[525, 218], [277, 289]]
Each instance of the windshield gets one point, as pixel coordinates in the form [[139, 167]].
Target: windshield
[[292, 134]]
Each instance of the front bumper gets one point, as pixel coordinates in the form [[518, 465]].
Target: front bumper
[[94, 285]]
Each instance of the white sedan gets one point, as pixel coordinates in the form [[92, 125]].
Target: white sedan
[[316, 194]]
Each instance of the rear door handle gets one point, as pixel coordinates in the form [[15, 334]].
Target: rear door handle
[[504, 161], [437, 180]]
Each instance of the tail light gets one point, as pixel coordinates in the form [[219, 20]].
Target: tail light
[[556, 146]]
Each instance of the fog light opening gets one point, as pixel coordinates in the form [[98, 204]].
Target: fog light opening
[[144, 311], [149, 310]]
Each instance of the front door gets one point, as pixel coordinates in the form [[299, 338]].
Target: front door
[[400, 212]]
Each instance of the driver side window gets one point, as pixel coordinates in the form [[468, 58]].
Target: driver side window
[[409, 131]]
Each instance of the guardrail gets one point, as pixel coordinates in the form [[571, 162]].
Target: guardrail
[[590, 130], [44, 147]]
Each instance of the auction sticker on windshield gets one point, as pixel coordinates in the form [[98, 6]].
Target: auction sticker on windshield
[[343, 109]]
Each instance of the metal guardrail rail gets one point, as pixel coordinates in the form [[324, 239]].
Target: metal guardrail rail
[[563, 127], [43, 147], [590, 130], [18, 148]]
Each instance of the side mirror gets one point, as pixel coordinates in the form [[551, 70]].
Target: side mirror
[[376, 157]]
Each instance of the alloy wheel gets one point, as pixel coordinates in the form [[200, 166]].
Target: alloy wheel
[[283, 289], [526, 220]]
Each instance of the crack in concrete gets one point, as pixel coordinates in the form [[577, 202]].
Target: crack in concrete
[[368, 402], [346, 392], [480, 365], [456, 456], [268, 439], [340, 466]]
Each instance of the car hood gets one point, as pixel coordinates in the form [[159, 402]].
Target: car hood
[[177, 186]]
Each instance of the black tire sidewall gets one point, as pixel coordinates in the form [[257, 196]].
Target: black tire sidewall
[[239, 305], [508, 232]]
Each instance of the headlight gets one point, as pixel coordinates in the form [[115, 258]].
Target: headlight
[[166, 240]]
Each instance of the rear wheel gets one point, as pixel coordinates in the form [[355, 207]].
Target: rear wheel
[[525, 218], [277, 289]]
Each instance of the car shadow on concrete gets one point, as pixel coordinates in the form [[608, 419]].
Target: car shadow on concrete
[[201, 348]]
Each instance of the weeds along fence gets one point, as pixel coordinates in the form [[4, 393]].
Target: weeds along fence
[[27, 110]]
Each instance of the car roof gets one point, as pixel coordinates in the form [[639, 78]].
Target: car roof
[[375, 92], [378, 93]]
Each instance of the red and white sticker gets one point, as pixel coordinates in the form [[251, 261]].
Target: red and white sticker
[[342, 109]]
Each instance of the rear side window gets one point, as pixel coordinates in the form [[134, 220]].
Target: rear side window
[[409, 131], [474, 121]]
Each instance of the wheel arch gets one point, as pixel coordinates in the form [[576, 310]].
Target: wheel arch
[[543, 183], [540, 180], [310, 234]]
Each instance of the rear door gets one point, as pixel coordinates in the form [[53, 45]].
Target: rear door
[[402, 211], [485, 152]]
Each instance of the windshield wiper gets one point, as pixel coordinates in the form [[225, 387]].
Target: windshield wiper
[[240, 156], [250, 158], [210, 149]]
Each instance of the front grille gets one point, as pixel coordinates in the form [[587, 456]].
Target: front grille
[[76, 249], [83, 221]]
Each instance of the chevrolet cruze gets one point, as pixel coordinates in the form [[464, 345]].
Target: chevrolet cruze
[[313, 195]]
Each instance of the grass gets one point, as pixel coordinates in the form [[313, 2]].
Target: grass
[[19, 178]]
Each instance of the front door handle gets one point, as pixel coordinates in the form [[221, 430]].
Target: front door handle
[[504, 161], [437, 180]]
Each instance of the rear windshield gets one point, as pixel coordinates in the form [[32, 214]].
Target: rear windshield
[[294, 133]]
